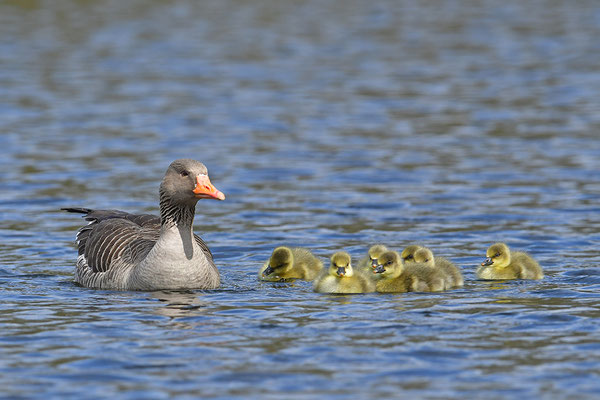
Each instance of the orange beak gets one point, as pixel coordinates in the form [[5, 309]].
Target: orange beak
[[205, 190]]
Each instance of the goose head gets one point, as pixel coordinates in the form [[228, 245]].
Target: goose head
[[186, 181], [424, 256], [497, 255], [280, 262], [408, 254], [341, 265], [389, 265], [374, 252]]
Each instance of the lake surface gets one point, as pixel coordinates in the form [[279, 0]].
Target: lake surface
[[329, 125]]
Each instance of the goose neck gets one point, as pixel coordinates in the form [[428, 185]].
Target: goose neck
[[174, 214]]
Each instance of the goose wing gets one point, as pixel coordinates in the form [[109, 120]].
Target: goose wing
[[114, 237], [204, 248]]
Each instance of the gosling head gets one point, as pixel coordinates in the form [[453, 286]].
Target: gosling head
[[281, 260], [375, 252], [497, 255], [424, 256], [389, 265], [408, 254], [340, 265]]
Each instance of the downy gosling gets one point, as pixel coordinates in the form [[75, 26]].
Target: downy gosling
[[340, 277], [501, 263], [452, 276], [369, 263], [397, 277], [290, 263]]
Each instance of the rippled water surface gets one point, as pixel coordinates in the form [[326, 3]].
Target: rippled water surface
[[330, 125]]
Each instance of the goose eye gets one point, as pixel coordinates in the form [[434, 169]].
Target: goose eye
[[497, 255], [388, 263], [184, 173], [410, 257]]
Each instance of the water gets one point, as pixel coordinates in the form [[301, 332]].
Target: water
[[330, 125]]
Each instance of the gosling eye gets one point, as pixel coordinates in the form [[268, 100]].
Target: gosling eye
[[388, 263], [427, 260], [409, 257], [184, 173], [497, 255]]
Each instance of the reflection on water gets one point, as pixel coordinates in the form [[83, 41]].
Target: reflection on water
[[330, 125]]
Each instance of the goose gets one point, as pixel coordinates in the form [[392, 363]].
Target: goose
[[452, 276], [119, 250], [368, 263], [501, 263], [290, 263], [340, 277], [397, 277]]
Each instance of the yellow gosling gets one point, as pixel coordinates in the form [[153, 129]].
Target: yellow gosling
[[369, 263], [501, 263], [340, 277], [397, 277], [452, 275], [391, 271], [290, 263]]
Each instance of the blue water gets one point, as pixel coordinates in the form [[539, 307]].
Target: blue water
[[328, 125]]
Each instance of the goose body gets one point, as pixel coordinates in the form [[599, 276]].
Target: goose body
[[340, 277], [119, 250], [454, 278], [502, 263], [290, 263]]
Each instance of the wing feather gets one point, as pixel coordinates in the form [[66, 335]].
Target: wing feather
[[114, 236], [204, 248]]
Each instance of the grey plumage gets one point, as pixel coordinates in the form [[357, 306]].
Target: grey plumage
[[119, 250]]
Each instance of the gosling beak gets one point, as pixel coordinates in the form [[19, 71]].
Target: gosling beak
[[379, 270], [341, 271], [205, 190], [268, 271], [487, 261], [374, 263]]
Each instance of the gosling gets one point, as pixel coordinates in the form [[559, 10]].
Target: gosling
[[452, 276], [397, 277], [341, 278], [501, 263], [369, 263], [290, 263]]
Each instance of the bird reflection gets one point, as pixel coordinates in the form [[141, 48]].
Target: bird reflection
[[179, 304]]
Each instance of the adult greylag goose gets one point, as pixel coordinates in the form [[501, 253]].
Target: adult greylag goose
[[118, 250]]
